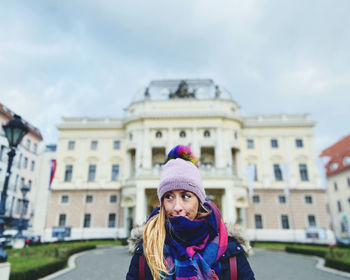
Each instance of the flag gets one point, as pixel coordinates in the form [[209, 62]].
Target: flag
[[250, 172], [323, 172], [285, 174], [53, 170]]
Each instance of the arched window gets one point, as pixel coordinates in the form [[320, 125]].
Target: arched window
[[158, 134], [182, 134], [207, 134]]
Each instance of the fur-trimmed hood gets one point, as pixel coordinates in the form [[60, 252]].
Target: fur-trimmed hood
[[234, 231]]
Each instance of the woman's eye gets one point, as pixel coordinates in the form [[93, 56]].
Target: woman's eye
[[168, 196], [186, 196]]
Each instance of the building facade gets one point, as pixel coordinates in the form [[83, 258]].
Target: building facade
[[23, 171], [337, 157], [108, 169]]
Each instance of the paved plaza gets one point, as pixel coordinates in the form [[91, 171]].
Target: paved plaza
[[112, 263]]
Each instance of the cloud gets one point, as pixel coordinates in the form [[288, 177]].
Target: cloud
[[89, 58]]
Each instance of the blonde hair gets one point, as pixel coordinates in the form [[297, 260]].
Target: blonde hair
[[154, 238]]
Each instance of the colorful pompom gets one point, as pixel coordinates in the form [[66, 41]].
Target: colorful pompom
[[183, 152]]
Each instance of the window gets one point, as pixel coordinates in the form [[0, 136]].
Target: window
[[115, 172], [2, 148], [311, 220], [308, 199], [68, 173], [64, 199], [256, 199], [35, 148], [19, 160], [71, 145], [89, 198], [62, 220], [299, 143], [130, 136], [92, 173], [158, 134], [93, 145], [182, 134], [303, 172], [258, 221], [348, 179], [274, 143], [285, 221], [250, 143], [30, 184], [25, 164], [25, 207], [111, 220], [113, 198], [32, 166], [346, 160], [116, 145], [335, 186], [22, 182], [16, 182], [18, 206], [235, 135], [255, 172], [334, 166], [87, 220], [28, 144], [206, 134], [340, 208], [282, 199], [278, 172]]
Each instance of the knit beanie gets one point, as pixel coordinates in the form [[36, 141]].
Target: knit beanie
[[180, 172]]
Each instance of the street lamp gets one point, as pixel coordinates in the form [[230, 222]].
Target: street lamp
[[24, 190], [15, 130]]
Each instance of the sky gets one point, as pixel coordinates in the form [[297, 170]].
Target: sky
[[89, 58]]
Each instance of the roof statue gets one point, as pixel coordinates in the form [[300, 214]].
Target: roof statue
[[147, 95], [182, 91], [217, 92]]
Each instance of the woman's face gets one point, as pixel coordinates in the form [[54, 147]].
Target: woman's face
[[181, 203]]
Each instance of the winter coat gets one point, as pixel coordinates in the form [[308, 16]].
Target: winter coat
[[237, 246]]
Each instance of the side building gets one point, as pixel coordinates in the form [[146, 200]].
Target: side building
[[108, 169], [338, 182], [23, 172]]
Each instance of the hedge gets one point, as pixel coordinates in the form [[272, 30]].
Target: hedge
[[46, 269], [337, 264], [304, 251]]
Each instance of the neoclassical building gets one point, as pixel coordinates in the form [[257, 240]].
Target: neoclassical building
[[108, 169]]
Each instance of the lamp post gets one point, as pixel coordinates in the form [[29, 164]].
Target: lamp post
[[24, 190], [14, 132]]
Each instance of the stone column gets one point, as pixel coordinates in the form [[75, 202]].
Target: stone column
[[195, 146], [138, 152], [228, 206], [219, 160], [147, 154], [171, 140], [140, 215]]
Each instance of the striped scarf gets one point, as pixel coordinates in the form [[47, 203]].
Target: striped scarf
[[193, 248]]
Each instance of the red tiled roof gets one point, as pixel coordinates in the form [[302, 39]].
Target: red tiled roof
[[337, 152], [9, 114]]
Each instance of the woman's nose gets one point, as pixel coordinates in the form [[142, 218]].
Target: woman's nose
[[178, 206]]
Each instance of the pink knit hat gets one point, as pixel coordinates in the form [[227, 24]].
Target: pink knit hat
[[180, 174]]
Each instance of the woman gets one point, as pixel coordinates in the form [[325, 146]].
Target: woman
[[185, 237]]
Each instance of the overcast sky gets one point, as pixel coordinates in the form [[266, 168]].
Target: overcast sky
[[89, 58]]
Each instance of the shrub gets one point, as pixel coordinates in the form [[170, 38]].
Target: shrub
[[338, 264], [306, 251], [46, 269]]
